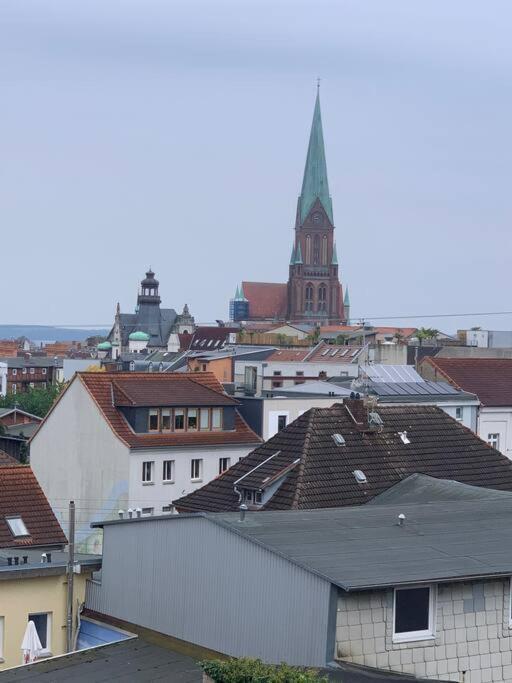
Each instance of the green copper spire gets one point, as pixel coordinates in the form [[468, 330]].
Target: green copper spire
[[237, 293], [242, 295], [334, 260], [346, 299], [292, 257], [315, 185], [298, 256]]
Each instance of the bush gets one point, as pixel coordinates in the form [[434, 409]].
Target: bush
[[247, 670]]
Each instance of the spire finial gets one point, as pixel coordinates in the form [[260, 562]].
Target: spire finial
[[318, 84]]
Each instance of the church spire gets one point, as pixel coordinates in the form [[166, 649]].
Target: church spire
[[292, 257], [315, 184]]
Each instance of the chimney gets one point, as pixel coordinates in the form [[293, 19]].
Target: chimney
[[138, 512], [43, 558], [121, 514], [130, 513], [243, 510]]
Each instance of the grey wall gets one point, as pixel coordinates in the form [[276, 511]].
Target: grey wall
[[251, 409], [189, 578]]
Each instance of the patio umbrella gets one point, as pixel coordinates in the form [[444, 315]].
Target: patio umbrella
[[31, 645]]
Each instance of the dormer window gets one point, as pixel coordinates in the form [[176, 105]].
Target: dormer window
[[17, 526], [179, 420], [251, 496], [192, 419], [153, 422]]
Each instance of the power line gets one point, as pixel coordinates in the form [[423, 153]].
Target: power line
[[428, 315]]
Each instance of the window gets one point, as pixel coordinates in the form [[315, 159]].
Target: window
[[13, 388], [308, 249], [322, 298], [1, 637], [17, 526], [165, 420], [309, 297], [42, 622], [252, 497], [324, 250], [32, 371], [276, 384], [300, 373], [204, 419], [216, 418], [44, 371], [147, 472], [14, 371], [459, 413], [168, 471], [147, 511], [204, 367], [196, 469], [179, 420], [168, 508], [316, 249], [192, 419], [153, 425], [494, 441], [281, 422], [32, 385], [413, 614], [24, 371], [224, 464]]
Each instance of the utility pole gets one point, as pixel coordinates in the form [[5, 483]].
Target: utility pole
[[70, 572]]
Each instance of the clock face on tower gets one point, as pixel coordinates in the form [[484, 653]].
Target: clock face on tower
[[317, 218]]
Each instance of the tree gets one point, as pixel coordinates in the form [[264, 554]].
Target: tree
[[341, 339], [37, 401]]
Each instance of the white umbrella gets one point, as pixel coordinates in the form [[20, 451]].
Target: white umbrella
[[31, 645]]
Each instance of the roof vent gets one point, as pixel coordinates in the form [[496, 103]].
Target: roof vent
[[360, 476], [121, 514], [403, 436], [374, 419], [339, 440]]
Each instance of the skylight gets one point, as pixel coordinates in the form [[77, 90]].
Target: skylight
[[344, 353], [17, 526], [375, 419], [334, 352], [360, 476], [339, 440], [354, 353], [324, 353]]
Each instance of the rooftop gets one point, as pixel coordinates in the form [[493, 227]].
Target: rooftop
[[108, 390], [266, 299], [21, 498], [312, 471], [489, 378]]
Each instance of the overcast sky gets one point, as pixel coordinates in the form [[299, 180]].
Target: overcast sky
[[174, 134]]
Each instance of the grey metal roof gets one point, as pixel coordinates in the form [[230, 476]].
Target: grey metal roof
[[33, 361], [420, 488], [130, 660], [27, 430], [364, 547], [314, 388]]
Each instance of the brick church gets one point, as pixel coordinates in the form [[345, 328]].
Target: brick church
[[313, 292]]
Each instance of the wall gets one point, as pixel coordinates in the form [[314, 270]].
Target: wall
[[472, 633], [75, 456], [160, 494], [3, 379], [292, 408], [21, 597], [192, 579], [497, 421], [222, 368], [389, 354]]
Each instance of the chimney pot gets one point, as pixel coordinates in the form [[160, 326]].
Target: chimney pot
[[243, 510]]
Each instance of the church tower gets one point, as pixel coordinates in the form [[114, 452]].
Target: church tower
[[314, 289]]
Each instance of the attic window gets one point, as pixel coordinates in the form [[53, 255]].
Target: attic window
[[354, 353], [339, 440], [17, 526], [344, 353], [334, 352], [403, 436], [324, 353], [360, 476]]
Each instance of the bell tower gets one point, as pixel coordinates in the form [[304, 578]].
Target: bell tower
[[314, 289]]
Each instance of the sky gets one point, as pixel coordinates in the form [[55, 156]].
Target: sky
[[174, 134]]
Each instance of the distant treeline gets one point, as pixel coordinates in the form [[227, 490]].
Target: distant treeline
[[48, 333]]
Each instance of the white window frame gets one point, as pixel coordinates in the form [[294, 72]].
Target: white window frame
[[32, 371], [173, 465], [427, 634], [24, 371], [44, 371], [200, 473], [494, 443], [228, 464], [14, 371], [151, 480], [460, 416], [47, 651]]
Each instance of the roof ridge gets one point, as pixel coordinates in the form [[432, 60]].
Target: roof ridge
[[449, 379], [305, 446]]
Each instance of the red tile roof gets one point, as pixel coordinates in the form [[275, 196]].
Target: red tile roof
[[266, 299], [104, 389], [321, 353], [404, 331], [186, 391], [489, 378], [288, 355], [340, 329], [21, 495]]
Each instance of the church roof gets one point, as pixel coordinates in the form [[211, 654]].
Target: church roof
[[315, 184], [266, 299]]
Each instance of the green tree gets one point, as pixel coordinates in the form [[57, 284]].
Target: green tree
[[37, 401], [341, 339]]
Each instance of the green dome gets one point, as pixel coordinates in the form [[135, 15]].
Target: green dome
[[104, 346], [138, 336]]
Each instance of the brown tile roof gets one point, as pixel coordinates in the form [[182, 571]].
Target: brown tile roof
[[489, 378], [211, 338], [288, 355], [266, 299], [21, 495], [320, 473], [168, 390], [334, 353], [324, 329], [102, 388]]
